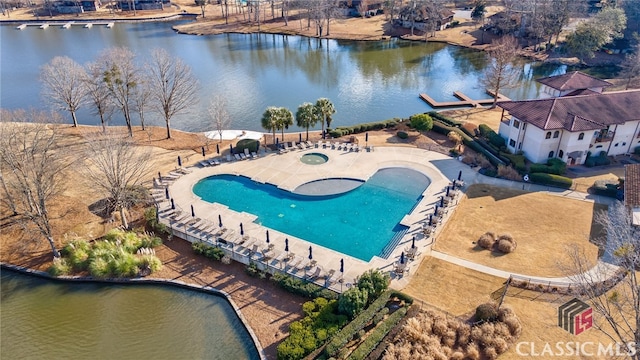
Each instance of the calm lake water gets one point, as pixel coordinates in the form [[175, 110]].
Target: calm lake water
[[367, 81], [43, 319]]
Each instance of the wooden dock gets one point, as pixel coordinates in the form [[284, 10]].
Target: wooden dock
[[464, 100], [66, 25]]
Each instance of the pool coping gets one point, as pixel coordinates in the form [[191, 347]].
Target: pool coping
[[285, 171]]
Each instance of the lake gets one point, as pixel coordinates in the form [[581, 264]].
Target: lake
[[366, 80], [44, 319]]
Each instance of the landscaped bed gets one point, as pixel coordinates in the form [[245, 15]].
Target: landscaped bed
[[542, 224]]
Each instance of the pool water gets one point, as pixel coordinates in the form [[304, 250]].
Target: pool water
[[359, 223], [314, 158]]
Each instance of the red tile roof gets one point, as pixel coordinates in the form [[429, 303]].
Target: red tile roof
[[575, 80], [632, 185], [577, 113]]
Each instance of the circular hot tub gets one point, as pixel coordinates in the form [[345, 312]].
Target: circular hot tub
[[314, 158]]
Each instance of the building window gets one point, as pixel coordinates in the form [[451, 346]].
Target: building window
[[581, 136], [516, 123], [548, 136], [520, 146], [555, 134], [624, 143], [512, 143], [616, 145], [598, 146], [560, 154], [550, 154]]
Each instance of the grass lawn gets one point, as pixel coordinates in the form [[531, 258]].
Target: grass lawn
[[543, 226]]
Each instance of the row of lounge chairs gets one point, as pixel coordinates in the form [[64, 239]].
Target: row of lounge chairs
[[210, 162], [349, 147], [290, 146], [243, 155]]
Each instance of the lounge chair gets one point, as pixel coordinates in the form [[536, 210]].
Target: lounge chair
[[313, 273], [183, 170], [254, 155], [237, 157], [329, 279], [204, 163], [229, 159], [243, 156]]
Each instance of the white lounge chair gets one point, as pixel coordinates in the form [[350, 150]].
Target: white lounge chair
[[313, 273], [237, 156], [242, 156]]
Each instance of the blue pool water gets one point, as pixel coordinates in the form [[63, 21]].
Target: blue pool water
[[359, 223]]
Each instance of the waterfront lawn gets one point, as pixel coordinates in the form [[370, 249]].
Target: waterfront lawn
[[543, 226]]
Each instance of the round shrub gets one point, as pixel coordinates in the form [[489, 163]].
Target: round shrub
[[487, 240], [250, 144], [403, 135], [486, 312], [506, 244]]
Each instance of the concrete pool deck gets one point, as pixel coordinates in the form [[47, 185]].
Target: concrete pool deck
[[286, 171]]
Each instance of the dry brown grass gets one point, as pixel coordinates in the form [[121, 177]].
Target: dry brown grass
[[543, 224], [477, 116], [433, 283]]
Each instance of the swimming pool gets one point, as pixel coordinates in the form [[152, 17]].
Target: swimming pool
[[359, 223]]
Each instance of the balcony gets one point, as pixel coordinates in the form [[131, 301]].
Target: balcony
[[605, 136]]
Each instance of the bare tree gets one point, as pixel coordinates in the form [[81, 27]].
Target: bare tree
[[631, 68], [141, 99], [173, 86], [617, 311], [203, 4], [114, 167], [98, 93], [219, 115], [33, 167], [121, 75], [363, 7], [500, 73], [63, 84]]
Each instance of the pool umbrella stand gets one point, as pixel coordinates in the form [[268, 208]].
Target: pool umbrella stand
[[166, 193], [173, 205], [241, 229], [193, 213], [203, 153], [267, 236], [179, 161], [310, 253], [220, 220], [218, 149]]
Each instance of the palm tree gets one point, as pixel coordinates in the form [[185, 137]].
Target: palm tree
[[325, 109], [270, 120], [285, 119], [307, 116]]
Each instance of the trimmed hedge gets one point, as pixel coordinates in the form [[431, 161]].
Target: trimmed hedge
[[374, 338], [303, 288], [339, 340], [597, 161], [403, 135], [636, 150], [360, 128], [444, 119], [606, 188], [401, 296], [212, 252], [518, 161], [553, 166], [551, 179], [251, 144]]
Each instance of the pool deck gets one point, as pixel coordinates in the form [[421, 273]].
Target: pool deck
[[286, 171]]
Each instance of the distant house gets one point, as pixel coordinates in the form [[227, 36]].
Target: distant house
[[75, 7], [143, 4], [502, 23], [420, 18], [578, 120], [632, 191], [572, 83]]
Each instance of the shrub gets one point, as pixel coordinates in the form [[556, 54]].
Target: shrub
[[551, 179], [403, 135], [509, 173], [374, 282], [518, 161], [149, 262], [59, 267], [455, 137], [636, 150], [599, 160], [251, 144], [352, 301], [421, 122], [486, 312], [301, 287], [506, 243], [486, 240], [444, 119], [152, 220], [401, 296], [607, 187]]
